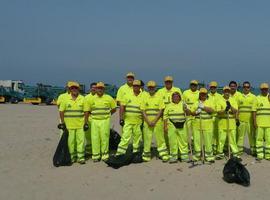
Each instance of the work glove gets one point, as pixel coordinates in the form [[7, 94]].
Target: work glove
[[122, 122], [237, 122], [201, 106], [85, 127], [62, 126], [228, 106], [198, 111]]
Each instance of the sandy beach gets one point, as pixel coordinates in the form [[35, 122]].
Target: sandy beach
[[28, 138]]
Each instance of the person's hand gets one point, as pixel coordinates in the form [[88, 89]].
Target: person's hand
[[201, 106], [198, 111], [62, 126], [228, 106], [85, 127], [122, 122]]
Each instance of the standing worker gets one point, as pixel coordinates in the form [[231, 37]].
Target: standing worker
[[262, 123], [88, 143], [174, 125], [246, 102], [73, 119], [214, 96], [152, 108], [125, 89], [100, 107], [131, 119], [234, 93], [203, 126], [63, 96], [167, 91], [226, 110]]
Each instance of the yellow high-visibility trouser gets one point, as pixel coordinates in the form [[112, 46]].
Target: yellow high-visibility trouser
[[100, 135], [207, 142], [215, 135], [246, 127], [161, 144], [76, 140], [130, 130], [222, 135], [178, 142], [263, 134]]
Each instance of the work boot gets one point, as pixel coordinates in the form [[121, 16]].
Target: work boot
[[82, 162], [173, 160]]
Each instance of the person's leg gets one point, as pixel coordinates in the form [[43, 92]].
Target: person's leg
[[105, 137], [147, 140], [259, 142], [95, 138], [125, 138], [80, 139], [182, 139], [222, 134], [71, 145], [161, 144], [208, 138]]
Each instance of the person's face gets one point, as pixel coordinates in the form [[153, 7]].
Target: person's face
[[233, 88], [213, 89], [99, 91], [176, 98], [168, 84], [203, 96], [130, 80], [226, 94], [93, 89], [136, 88], [193, 87], [264, 91], [151, 90], [246, 88], [74, 91]]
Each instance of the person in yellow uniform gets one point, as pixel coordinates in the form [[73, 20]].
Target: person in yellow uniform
[[100, 107], [73, 119], [167, 91], [131, 119], [226, 109], [63, 96], [203, 109], [191, 96], [174, 125], [88, 143], [152, 109], [246, 102], [234, 93], [262, 123], [125, 89], [214, 96]]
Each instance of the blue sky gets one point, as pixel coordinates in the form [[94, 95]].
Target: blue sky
[[54, 41]]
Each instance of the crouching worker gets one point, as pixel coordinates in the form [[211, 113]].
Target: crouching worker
[[227, 109], [101, 106], [131, 119], [203, 127], [152, 108], [72, 119], [174, 125]]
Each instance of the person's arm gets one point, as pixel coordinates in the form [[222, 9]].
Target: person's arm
[[145, 117], [209, 110], [61, 114], [166, 126], [86, 116], [121, 113], [160, 113], [254, 116]]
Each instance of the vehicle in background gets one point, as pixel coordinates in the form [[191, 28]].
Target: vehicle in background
[[11, 91]]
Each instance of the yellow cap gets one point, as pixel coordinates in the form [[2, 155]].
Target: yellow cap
[[137, 82], [100, 85], [168, 78], [68, 83], [203, 90], [73, 84], [194, 82], [264, 86], [213, 84], [226, 88], [130, 74], [151, 84]]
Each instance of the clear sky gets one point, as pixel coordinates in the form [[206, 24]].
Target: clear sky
[[52, 41]]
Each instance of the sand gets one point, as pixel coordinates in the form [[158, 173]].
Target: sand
[[28, 138]]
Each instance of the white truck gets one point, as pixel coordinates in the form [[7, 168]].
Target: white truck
[[11, 91]]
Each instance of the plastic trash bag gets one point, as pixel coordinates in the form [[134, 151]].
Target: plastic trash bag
[[235, 172], [62, 156], [115, 139]]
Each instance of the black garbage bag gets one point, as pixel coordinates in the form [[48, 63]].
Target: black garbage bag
[[235, 172], [115, 139], [117, 161], [137, 157], [62, 156]]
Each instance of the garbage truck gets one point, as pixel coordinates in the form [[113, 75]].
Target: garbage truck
[[11, 91]]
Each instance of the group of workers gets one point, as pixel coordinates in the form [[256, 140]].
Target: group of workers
[[198, 124]]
